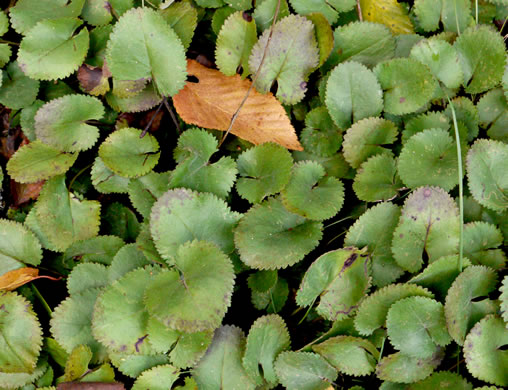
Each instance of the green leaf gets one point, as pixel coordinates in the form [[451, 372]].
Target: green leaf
[[487, 180], [144, 100], [324, 35], [219, 17], [18, 91], [100, 249], [352, 93], [455, 15], [504, 299], [18, 246], [366, 137], [194, 170], [32, 222], [77, 363], [265, 11], [312, 194], [330, 9], [119, 316], [119, 220], [61, 122], [320, 135], [482, 350], [128, 155], [19, 379], [349, 355], [374, 229], [127, 259], [430, 223], [63, 218], [27, 13], [364, 42], [52, 50], [240, 5], [442, 60], [440, 275], [467, 115], [157, 378], [37, 161], [408, 85], [377, 179], [155, 52], [96, 13], [272, 300], [270, 237], [21, 335], [293, 55], [4, 23], [234, 44], [493, 113], [373, 310], [105, 180], [304, 371], [195, 294], [134, 365], [268, 336], [180, 216], [185, 349], [443, 379], [429, 120], [210, 3], [221, 367], [128, 88], [482, 58], [401, 368], [340, 279], [71, 323], [86, 276], [416, 325], [27, 119], [264, 170], [145, 190], [480, 242], [182, 17], [5, 55], [429, 158], [463, 308]]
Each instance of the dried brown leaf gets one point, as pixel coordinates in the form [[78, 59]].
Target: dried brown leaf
[[13, 279], [212, 101], [22, 193]]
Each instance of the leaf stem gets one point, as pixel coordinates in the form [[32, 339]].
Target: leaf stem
[[77, 175], [456, 17], [9, 42], [307, 312], [41, 300], [461, 187], [476, 11], [359, 9], [173, 116], [235, 115], [382, 349], [145, 130]]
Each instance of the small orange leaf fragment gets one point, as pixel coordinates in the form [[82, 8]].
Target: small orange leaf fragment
[[16, 278], [212, 101]]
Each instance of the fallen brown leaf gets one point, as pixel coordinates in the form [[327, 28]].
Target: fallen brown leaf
[[212, 101], [13, 279], [22, 193]]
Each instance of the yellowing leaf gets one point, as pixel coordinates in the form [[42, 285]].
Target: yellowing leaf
[[212, 101], [16, 278], [389, 13]]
